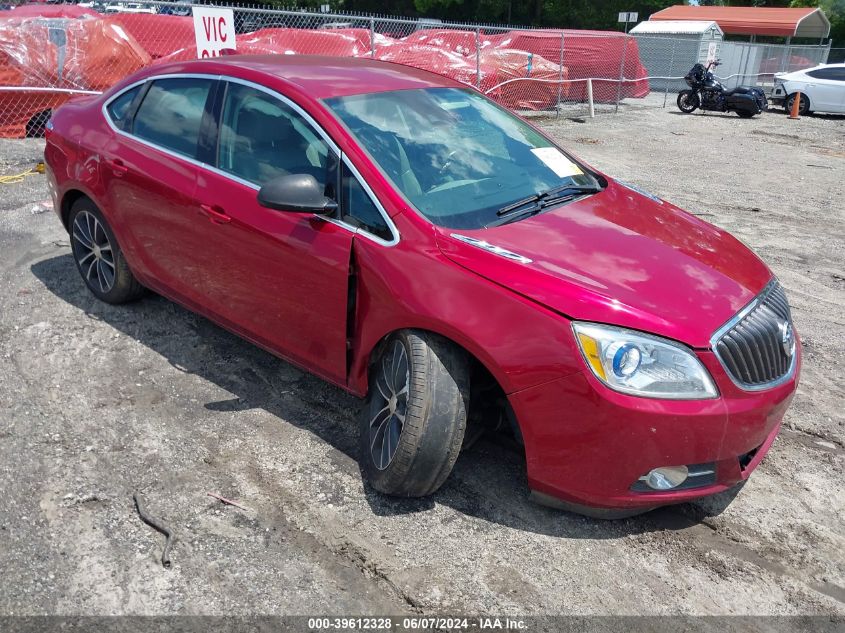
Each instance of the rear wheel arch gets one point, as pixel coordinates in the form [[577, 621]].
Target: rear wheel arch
[[804, 98], [68, 200]]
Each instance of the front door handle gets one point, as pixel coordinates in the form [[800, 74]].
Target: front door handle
[[215, 214]]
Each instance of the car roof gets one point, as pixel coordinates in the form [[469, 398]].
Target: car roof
[[803, 70], [319, 77]]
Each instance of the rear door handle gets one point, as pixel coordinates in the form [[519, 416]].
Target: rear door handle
[[118, 168], [215, 214]]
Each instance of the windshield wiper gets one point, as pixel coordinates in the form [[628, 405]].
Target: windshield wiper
[[540, 201]]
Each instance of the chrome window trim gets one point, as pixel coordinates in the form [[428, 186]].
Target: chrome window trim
[[730, 324], [215, 170]]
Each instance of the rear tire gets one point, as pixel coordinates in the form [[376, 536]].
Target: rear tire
[[412, 424], [803, 105], [688, 101], [744, 114], [98, 257]]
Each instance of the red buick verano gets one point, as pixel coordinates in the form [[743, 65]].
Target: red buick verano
[[405, 238]]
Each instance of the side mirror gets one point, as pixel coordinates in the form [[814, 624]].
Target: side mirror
[[299, 193]]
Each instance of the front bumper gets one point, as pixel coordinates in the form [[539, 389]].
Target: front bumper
[[587, 445]]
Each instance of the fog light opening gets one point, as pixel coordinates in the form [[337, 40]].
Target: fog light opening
[[666, 477]]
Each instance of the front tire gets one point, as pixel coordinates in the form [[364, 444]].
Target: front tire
[[413, 422], [688, 101], [98, 257]]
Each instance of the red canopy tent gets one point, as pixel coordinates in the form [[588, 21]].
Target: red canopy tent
[[785, 22]]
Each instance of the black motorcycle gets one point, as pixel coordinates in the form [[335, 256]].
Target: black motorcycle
[[708, 94]]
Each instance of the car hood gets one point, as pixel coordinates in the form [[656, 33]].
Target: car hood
[[619, 257]]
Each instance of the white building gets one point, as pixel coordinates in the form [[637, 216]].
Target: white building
[[669, 48]]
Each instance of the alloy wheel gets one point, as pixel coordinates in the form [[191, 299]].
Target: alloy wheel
[[688, 102], [93, 251], [391, 395]]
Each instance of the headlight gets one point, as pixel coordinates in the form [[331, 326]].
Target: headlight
[[643, 365]]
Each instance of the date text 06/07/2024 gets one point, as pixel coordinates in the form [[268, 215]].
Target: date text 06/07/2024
[[417, 623]]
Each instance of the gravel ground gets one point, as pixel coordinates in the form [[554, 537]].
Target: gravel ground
[[97, 402]]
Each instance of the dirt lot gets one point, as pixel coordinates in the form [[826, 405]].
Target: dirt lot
[[97, 402]]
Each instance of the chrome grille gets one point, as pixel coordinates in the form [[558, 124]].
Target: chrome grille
[[751, 347]]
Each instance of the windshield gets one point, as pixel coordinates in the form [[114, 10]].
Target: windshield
[[455, 155]]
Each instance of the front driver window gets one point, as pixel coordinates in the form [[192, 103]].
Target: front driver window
[[261, 138]]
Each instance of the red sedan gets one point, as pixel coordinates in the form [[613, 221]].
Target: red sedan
[[405, 238]]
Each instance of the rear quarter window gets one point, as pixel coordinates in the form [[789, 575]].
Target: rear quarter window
[[119, 107]]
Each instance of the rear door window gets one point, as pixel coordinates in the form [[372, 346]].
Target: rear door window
[[171, 114]]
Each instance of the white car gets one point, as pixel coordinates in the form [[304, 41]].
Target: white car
[[130, 7], [822, 89]]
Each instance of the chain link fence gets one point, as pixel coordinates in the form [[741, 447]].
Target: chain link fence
[[52, 52]]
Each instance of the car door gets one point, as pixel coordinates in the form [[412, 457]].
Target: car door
[[837, 77], [281, 277], [825, 91], [149, 168]]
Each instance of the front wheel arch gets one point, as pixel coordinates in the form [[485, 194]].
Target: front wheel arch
[[483, 372], [373, 355]]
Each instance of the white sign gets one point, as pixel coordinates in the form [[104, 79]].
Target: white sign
[[214, 30], [628, 17], [711, 52], [557, 161]]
